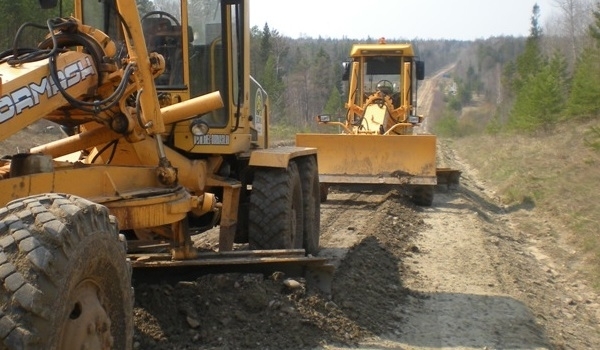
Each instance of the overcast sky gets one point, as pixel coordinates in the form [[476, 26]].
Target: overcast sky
[[398, 19]]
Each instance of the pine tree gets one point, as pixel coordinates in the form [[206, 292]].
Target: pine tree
[[334, 104], [529, 79], [274, 87], [530, 61], [594, 29], [584, 99], [20, 12], [542, 99], [265, 44]]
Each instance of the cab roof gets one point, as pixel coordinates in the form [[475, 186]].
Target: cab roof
[[362, 50]]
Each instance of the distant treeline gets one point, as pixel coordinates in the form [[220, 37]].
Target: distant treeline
[[529, 82]]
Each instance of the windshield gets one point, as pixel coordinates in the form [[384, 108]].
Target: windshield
[[382, 74], [207, 58]]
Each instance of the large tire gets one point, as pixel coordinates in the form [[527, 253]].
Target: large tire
[[309, 176], [423, 195], [66, 279], [276, 209]]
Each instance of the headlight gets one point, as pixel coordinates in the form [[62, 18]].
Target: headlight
[[324, 118], [199, 127], [414, 119]]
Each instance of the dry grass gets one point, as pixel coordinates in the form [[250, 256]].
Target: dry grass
[[554, 171]]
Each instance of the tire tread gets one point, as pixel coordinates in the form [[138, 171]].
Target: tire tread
[[39, 237]]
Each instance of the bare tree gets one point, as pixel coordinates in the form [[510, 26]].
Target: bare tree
[[571, 23], [280, 49]]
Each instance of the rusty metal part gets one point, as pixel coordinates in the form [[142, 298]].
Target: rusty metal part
[[378, 179], [25, 164], [229, 212], [237, 257], [317, 270]]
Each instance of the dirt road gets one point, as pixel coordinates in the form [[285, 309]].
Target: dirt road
[[457, 275]]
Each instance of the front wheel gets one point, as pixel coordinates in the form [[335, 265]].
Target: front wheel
[[276, 209], [67, 280]]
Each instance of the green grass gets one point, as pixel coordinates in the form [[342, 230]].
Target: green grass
[[557, 171]]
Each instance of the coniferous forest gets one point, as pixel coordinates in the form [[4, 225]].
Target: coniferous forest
[[528, 83]]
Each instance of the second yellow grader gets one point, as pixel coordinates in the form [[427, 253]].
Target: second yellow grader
[[378, 143]]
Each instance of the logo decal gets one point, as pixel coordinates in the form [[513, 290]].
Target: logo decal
[[28, 96]]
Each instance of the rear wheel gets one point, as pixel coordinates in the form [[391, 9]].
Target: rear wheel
[[309, 176], [276, 209], [423, 195], [67, 280]]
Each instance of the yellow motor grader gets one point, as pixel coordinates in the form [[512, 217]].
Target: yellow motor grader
[[378, 143], [166, 137]]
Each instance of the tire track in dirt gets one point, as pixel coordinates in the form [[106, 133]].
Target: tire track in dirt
[[368, 285], [342, 219]]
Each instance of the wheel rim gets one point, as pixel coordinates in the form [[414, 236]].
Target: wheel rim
[[87, 326]]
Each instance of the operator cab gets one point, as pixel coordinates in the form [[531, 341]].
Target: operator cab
[[383, 75], [205, 45]]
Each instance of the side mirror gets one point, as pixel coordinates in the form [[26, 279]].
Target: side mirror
[[325, 118], [420, 65], [48, 4], [346, 75]]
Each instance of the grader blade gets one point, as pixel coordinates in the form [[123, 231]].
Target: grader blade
[[374, 159], [318, 271]]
